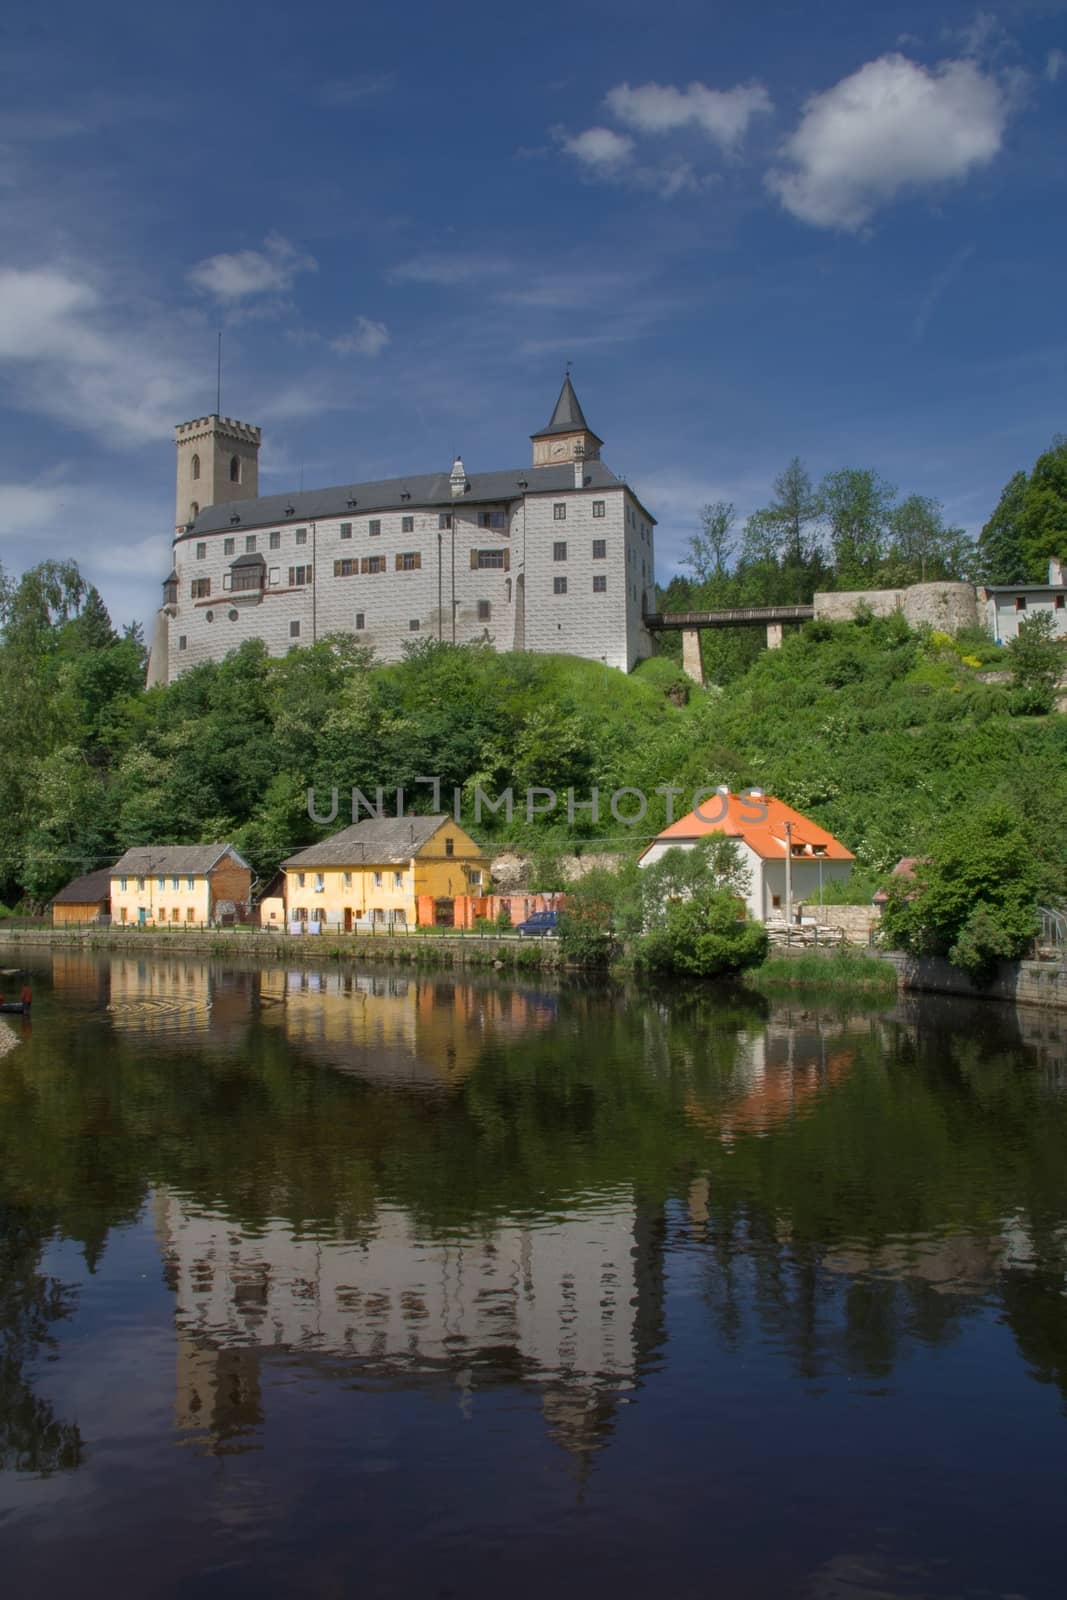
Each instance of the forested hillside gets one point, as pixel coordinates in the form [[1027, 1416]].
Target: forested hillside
[[883, 735]]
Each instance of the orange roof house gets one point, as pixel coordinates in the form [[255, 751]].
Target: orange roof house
[[765, 829]]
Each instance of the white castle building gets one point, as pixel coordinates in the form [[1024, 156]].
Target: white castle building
[[554, 557]]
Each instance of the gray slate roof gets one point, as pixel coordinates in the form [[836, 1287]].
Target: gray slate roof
[[421, 491], [87, 891], [374, 842], [182, 860], [568, 416]]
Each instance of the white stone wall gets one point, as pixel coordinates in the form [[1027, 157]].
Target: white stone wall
[[438, 599]]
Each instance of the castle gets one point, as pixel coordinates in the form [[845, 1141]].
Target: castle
[[554, 557]]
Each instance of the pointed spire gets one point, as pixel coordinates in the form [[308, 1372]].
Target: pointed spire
[[568, 416]]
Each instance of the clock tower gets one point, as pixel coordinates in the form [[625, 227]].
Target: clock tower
[[568, 437]]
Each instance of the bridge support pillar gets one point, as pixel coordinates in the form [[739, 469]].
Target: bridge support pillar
[[774, 636], [692, 655]]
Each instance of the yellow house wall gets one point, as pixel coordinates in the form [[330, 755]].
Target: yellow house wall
[[430, 872], [154, 900]]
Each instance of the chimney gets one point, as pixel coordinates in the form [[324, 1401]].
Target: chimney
[[457, 481], [579, 464], [1056, 574]]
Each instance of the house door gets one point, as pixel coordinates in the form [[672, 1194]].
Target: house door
[[445, 914], [142, 916], [348, 919]]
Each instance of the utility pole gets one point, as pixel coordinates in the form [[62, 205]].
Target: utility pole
[[789, 873]]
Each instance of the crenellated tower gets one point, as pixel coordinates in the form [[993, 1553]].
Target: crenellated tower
[[218, 462]]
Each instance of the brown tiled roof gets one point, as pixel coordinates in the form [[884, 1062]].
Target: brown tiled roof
[[375, 842], [87, 891]]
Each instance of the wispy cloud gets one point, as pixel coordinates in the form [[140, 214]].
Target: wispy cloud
[[230, 278], [723, 115], [448, 271], [600, 150], [1055, 64], [891, 125], [366, 338], [939, 286]]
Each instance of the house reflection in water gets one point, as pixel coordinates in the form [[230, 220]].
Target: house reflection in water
[[570, 1304]]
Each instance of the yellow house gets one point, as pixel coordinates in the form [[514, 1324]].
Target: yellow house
[[179, 885], [374, 875]]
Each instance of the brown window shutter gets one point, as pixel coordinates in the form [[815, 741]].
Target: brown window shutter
[[474, 560], [292, 577], [507, 560], [337, 569], [399, 567], [418, 560]]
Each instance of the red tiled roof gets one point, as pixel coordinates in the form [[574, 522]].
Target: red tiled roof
[[766, 836]]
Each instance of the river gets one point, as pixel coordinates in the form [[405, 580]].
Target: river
[[363, 1282]]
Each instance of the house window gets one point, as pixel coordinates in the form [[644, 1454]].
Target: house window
[[348, 880], [190, 915], [398, 880], [476, 880], [201, 552], [559, 550], [491, 519], [201, 588], [294, 630], [408, 561], [444, 520], [450, 847], [183, 642], [300, 880], [161, 883], [346, 530], [190, 883], [600, 549], [346, 568], [320, 882], [250, 544], [600, 583], [361, 621], [228, 547], [299, 576], [374, 527], [413, 625], [235, 470], [559, 511], [407, 524], [124, 884], [140, 883], [483, 559], [377, 880], [1059, 602], [301, 536], [1020, 602], [559, 586], [372, 564], [196, 468], [275, 540], [598, 508], [484, 610]]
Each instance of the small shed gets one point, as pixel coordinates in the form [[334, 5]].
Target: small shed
[[84, 900]]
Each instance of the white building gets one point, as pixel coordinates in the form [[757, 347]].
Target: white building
[[554, 557], [1008, 604]]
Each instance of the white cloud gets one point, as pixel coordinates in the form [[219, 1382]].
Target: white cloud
[[447, 271], [601, 150], [891, 125], [272, 270], [25, 508], [367, 338], [1057, 60], [722, 114]]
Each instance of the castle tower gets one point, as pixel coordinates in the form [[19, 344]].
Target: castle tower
[[218, 461], [568, 437]]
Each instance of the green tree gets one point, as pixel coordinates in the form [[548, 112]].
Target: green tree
[[921, 548], [1001, 556], [1043, 524], [858, 505], [1037, 657], [703, 937], [708, 552]]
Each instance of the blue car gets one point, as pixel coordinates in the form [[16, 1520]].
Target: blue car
[[542, 925]]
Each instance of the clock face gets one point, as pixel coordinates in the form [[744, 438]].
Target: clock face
[[559, 450]]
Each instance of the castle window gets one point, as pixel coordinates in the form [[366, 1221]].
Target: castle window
[[559, 586], [372, 564], [294, 630], [346, 530], [408, 561], [250, 544], [600, 549], [274, 540], [407, 524], [559, 511], [361, 621], [491, 519], [507, 590], [182, 642], [487, 559], [299, 576], [170, 592], [235, 470], [228, 547], [201, 588], [559, 550], [346, 568], [600, 583], [209, 616], [598, 508], [194, 510], [413, 625], [196, 468], [374, 527], [233, 613], [484, 610], [444, 520], [201, 552], [301, 536], [275, 575]]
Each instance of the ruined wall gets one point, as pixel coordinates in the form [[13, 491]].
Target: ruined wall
[[948, 607]]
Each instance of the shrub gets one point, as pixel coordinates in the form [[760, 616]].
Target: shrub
[[703, 937]]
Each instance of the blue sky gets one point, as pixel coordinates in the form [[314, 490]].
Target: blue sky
[[757, 230]]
